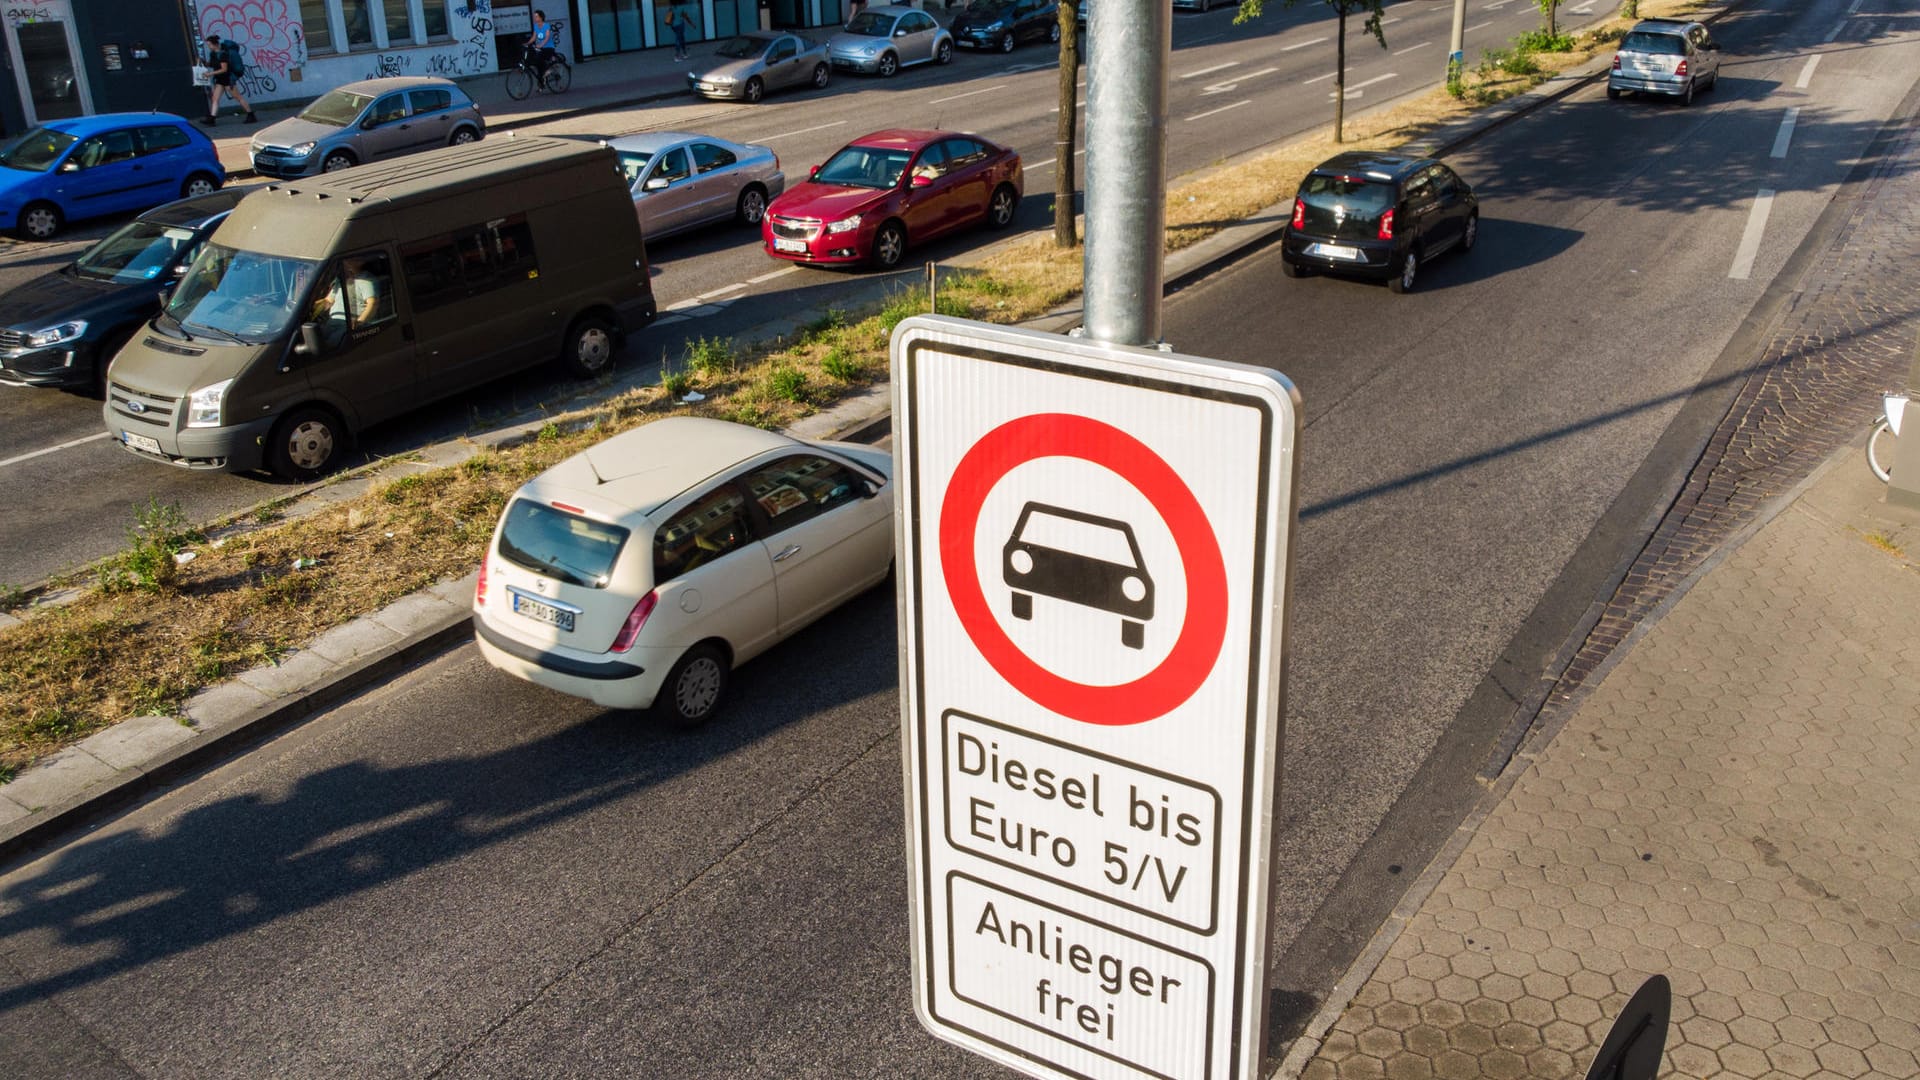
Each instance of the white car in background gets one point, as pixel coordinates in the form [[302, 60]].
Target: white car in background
[[640, 572]]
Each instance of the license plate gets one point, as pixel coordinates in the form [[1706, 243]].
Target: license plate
[[140, 442], [1335, 251], [543, 613], [781, 243]]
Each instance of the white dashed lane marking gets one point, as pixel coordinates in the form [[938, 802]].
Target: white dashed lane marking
[[1750, 240]]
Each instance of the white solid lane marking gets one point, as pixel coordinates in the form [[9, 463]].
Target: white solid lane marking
[[1390, 22], [1375, 79], [18, 458], [1049, 161], [1320, 78], [721, 291], [1785, 138], [1496, 5], [1806, 73], [1476, 26], [1301, 44], [774, 274], [1227, 87], [970, 93], [1410, 48], [802, 131], [1221, 109], [1583, 9], [1750, 240], [1210, 70]]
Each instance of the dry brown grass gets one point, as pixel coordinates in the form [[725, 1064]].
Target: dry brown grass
[[71, 670]]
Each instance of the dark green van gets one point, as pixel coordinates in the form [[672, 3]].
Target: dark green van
[[324, 305]]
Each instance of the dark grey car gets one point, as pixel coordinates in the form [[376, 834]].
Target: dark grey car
[[748, 66], [366, 121]]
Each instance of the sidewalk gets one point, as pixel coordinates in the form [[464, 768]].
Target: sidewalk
[[599, 82]]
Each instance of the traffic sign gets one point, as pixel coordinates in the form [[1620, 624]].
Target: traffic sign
[[1093, 557]]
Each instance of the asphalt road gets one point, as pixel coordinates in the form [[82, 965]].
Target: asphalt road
[[460, 875], [1233, 89]]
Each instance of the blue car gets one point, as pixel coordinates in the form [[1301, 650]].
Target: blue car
[[119, 163]]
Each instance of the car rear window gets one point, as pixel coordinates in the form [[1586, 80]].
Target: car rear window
[[559, 544], [1657, 44], [1344, 207]]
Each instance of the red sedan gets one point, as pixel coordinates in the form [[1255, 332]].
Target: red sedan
[[890, 188]]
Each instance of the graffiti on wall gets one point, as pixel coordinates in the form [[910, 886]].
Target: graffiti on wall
[[275, 43]]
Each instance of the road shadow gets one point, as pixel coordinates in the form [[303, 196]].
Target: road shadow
[[128, 898]]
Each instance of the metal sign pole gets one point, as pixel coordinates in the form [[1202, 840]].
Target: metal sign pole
[[1456, 52], [1131, 42]]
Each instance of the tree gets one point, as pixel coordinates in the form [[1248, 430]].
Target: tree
[[1547, 8], [1252, 9], [1063, 140]]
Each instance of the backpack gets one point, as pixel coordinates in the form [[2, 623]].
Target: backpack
[[234, 55]]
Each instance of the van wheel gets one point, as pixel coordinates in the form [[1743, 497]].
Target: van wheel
[[198, 184], [337, 160], [753, 204], [589, 352], [692, 692], [305, 444], [40, 221]]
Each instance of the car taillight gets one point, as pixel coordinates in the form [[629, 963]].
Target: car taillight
[[1386, 225], [1681, 69], [1299, 213], [480, 588], [1616, 61], [636, 619]]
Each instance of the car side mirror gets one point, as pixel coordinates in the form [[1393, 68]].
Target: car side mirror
[[872, 488], [813, 172], [922, 181], [309, 343], [655, 183], [368, 124], [69, 166]]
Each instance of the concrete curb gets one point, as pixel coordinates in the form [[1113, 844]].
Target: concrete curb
[[30, 828]]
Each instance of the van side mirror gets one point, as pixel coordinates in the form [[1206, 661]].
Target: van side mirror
[[655, 183], [309, 343]]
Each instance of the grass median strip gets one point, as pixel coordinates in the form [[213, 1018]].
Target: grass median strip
[[183, 608]]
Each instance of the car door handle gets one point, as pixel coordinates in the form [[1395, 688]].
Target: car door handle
[[787, 552]]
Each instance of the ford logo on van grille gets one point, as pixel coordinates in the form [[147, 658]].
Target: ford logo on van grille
[[136, 406]]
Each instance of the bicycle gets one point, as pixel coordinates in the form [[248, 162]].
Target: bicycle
[[1881, 435], [522, 79]]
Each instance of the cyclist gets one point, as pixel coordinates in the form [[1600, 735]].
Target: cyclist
[[540, 45]]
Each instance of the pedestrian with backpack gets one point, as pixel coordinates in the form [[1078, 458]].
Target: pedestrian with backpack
[[224, 64], [677, 22]]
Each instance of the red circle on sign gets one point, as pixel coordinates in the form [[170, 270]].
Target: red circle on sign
[[1028, 438]]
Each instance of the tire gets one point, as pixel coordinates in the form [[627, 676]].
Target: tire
[[103, 356], [753, 205], [1001, 207], [1714, 82], [463, 136], [1409, 270], [337, 160], [519, 84], [1005, 44], [559, 77], [694, 688], [889, 245], [305, 444], [943, 52], [754, 90], [889, 66], [1881, 443], [198, 184], [822, 75], [1613, 93], [41, 221], [1686, 96], [1471, 235], [1053, 33], [590, 347], [1291, 269]]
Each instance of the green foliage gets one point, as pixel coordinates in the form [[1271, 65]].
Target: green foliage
[[549, 432], [787, 383], [1630, 9], [159, 530], [1539, 41], [484, 463], [406, 487], [712, 357], [13, 596], [834, 320], [676, 383], [902, 305], [842, 364], [1510, 61]]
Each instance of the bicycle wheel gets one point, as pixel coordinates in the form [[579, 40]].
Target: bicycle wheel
[[519, 84], [1880, 448], [559, 77]]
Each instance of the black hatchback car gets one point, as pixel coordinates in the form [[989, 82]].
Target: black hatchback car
[[1378, 216], [62, 328], [1000, 24]]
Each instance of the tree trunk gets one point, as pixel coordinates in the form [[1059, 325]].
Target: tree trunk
[[1063, 139], [1340, 76]]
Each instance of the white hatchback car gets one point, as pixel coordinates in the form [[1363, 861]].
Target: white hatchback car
[[639, 572]]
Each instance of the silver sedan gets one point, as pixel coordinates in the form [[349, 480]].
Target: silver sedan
[[681, 180], [748, 66]]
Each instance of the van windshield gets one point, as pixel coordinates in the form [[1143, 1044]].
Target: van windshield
[[242, 295], [140, 251]]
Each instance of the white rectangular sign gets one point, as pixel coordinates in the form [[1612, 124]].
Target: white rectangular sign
[[1094, 550]]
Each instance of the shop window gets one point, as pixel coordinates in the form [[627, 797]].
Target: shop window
[[399, 23], [316, 26], [435, 14], [359, 19]]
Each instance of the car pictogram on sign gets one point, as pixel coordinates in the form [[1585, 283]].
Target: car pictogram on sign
[[1083, 559]]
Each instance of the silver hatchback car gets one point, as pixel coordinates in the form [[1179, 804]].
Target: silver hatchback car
[[364, 121], [882, 40], [681, 180], [1665, 56]]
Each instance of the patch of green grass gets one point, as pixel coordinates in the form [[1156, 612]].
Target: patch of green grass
[[159, 530], [788, 383], [549, 432], [7, 773], [712, 357], [271, 511], [1885, 543], [1539, 41], [13, 596], [842, 364]]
